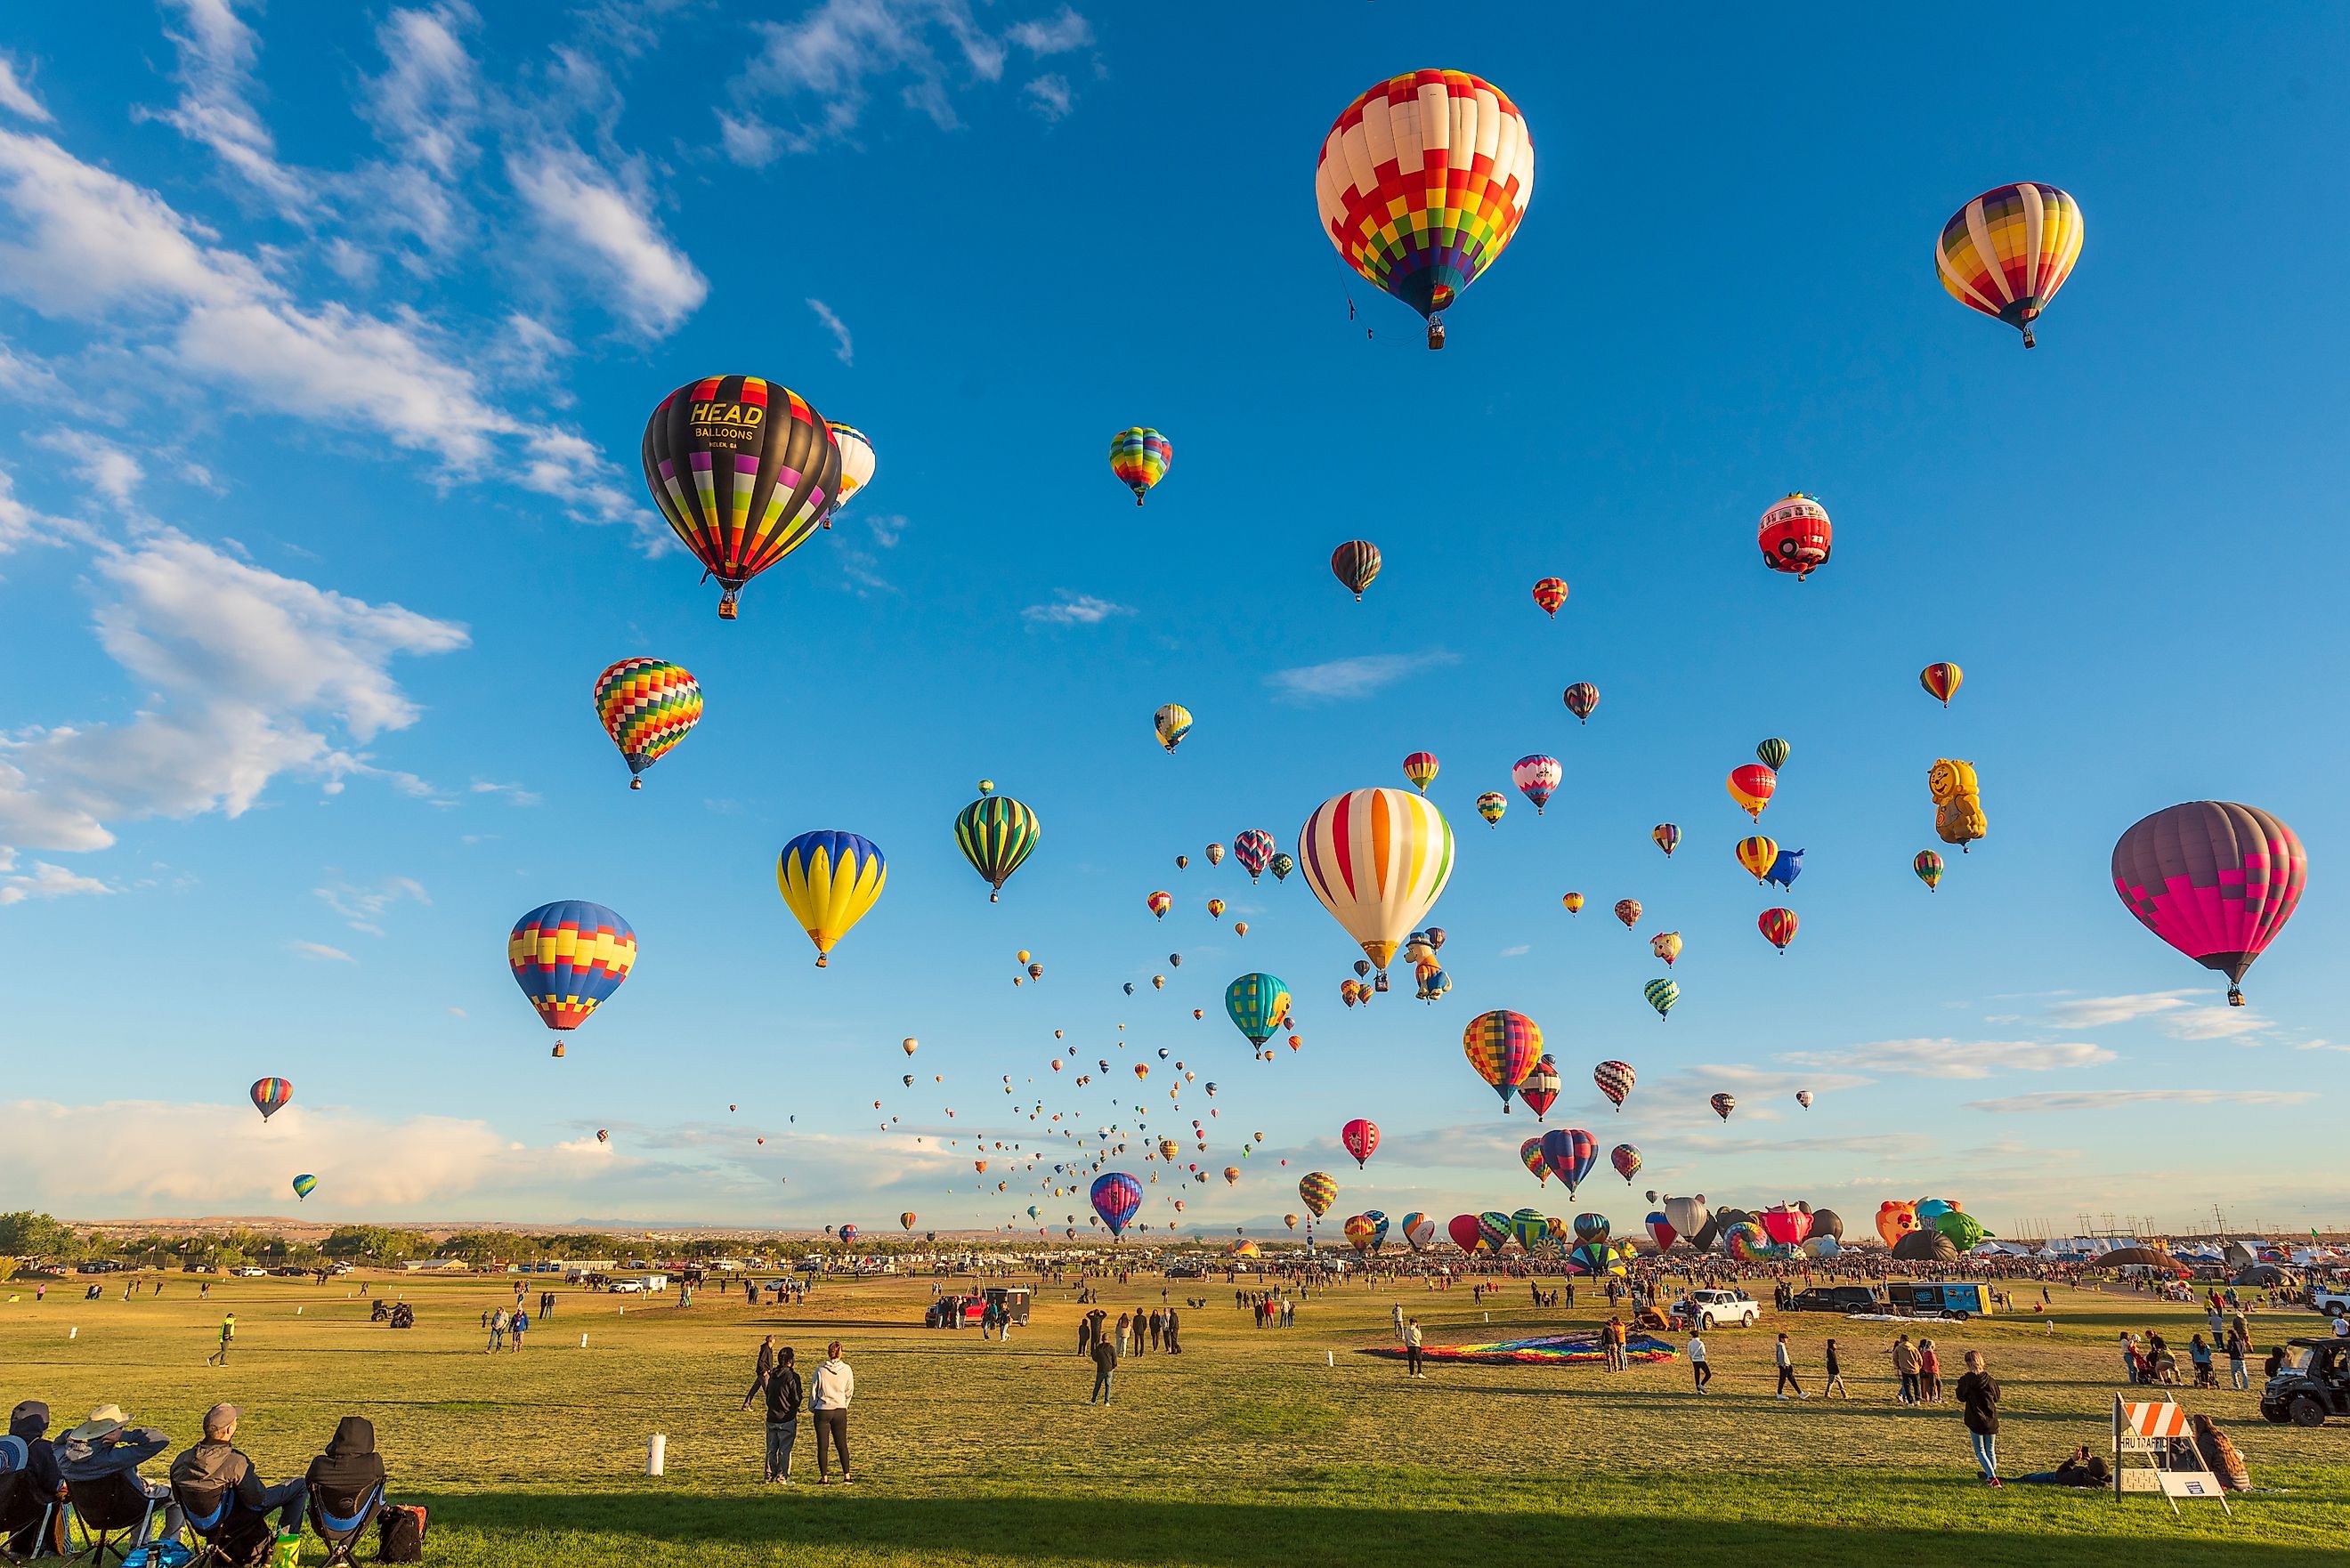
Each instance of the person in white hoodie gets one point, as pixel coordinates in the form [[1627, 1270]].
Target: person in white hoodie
[[829, 1391]]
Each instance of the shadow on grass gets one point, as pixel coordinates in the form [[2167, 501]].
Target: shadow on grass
[[1344, 1527]]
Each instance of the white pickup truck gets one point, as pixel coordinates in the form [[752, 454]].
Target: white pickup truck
[[2332, 1302], [1717, 1309]]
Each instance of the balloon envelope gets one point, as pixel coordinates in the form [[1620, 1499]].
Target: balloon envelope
[[647, 706], [1377, 859], [830, 881], [2215, 879], [743, 470], [569, 958]]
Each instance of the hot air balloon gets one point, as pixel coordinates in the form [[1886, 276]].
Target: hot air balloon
[[1627, 1161], [1140, 458], [1503, 1046], [1723, 1104], [1689, 1216], [1581, 698], [1530, 1155], [1661, 1230], [305, 1185], [1377, 859], [1419, 770], [1169, 1148], [1570, 1152], [1215, 909], [1958, 802], [270, 1096], [1573, 902], [856, 463], [1116, 1197], [1318, 1192], [2215, 879], [1464, 1231], [1550, 593], [828, 880], [647, 706], [1494, 1229], [1360, 1138], [1258, 1005], [1751, 786], [2007, 252], [1491, 805], [1158, 982], [603, 1134], [1422, 183], [847, 1234], [1172, 722], [1419, 1230], [1785, 867], [1667, 836], [1253, 850], [1628, 912], [569, 957], [1240, 928], [1757, 855], [1778, 927], [1896, 1220], [907, 1045], [907, 1220], [1773, 753], [1539, 1092], [1536, 777], [1181, 861], [1282, 864], [1176, 960], [1795, 535], [1615, 1080], [1942, 681], [1354, 564], [1804, 1098], [1159, 903], [1661, 995], [1665, 945], [1929, 867], [1215, 855], [1362, 1234], [743, 470], [996, 833], [1530, 1228]]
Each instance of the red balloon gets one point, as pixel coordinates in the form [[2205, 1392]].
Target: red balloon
[[1361, 1137], [1462, 1229]]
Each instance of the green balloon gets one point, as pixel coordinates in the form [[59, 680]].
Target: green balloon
[[1773, 752]]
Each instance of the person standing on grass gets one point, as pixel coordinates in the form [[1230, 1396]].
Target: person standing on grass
[[1835, 1375], [1123, 1324], [2238, 1348], [1701, 1369], [497, 1331], [1930, 1372], [1105, 1370], [829, 1395], [1174, 1345], [520, 1321], [783, 1385], [227, 1338], [2129, 1356], [1411, 1349], [1786, 1357], [1395, 1314], [1979, 1399], [1904, 1364], [767, 1368]]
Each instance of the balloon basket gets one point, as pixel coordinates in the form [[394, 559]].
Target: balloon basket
[[636, 784]]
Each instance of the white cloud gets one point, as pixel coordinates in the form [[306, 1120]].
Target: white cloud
[[1049, 96], [319, 952], [513, 793], [749, 140], [246, 666], [217, 52], [20, 525], [887, 527], [425, 103], [23, 376], [1344, 679], [17, 94], [1074, 609], [98, 462], [2099, 1012], [2218, 1022], [601, 221], [43, 881], [1956, 1058], [1054, 35], [844, 348], [1518, 951], [362, 908], [2108, 1099]]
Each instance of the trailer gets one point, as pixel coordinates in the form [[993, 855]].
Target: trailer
[[1955, 1300]]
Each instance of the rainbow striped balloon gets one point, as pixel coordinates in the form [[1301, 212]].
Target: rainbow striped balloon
[[270, 1096], [1504, 1046], [1140, 458], [2007, 252], [745, 470], [646, 705], [1318, 1192], [1377, 859], [569, 957]]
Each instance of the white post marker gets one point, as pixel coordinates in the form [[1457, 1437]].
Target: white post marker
[[656, 1454], [583, 1342], [73, 1334], [1330, 1358]]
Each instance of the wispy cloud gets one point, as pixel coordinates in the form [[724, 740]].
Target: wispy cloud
[[362, 908], [1050, 96], [43, 881], [844, 348], [2109, 1099], [600, 222], [1518, 951], [1074, 609], [319, 952], [1955, 1058], [1054, 35], [217, 54], [1344, 679], [2100, 1012], [17, 94], [511, 794]]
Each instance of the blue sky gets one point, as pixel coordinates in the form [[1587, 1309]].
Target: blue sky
[[327, 337]]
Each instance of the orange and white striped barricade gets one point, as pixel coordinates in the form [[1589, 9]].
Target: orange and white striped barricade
[[2175, 1468]]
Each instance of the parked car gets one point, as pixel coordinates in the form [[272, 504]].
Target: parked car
[[2332, 1302], [1838, 1298], [1719, 1309], [626, 1288], [2315, 1386]]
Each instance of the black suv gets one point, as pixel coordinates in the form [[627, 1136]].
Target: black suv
[[2305, 1396], [1838, 1298]]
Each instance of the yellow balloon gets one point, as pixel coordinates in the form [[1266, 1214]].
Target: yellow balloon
[[829, 881], [1758, 855]]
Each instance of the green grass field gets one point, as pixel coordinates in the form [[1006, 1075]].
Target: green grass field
[[1248, 1448]]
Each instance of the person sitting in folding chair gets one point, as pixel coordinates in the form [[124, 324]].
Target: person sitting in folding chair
[[30, 1492], [346, 1485], [114, 1507], [222, 1498]]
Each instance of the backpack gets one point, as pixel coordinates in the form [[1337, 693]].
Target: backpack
[[401, 1538]]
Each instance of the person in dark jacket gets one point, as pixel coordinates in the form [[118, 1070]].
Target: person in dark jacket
[[1105, 1369], [29, 1424], [783, 1390], [766, 1366], [107, 1445], [350, 1466], [215, 1464], [1978, 1394]]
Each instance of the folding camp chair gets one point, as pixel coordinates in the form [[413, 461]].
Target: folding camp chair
[[26, 1515], [229, 1539], [341, 1519], [110, 1515]]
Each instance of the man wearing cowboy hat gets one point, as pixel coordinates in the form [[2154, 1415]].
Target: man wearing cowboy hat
[[215, 1464], [106, 1446]]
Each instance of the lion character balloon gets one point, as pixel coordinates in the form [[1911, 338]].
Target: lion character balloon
[[1895, 1219], [1957, 803]]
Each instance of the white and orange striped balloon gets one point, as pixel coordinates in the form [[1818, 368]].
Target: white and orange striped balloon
[[1377, 859]]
